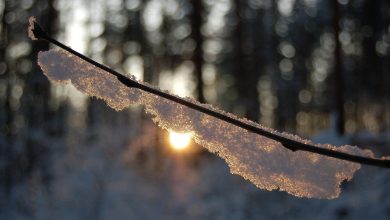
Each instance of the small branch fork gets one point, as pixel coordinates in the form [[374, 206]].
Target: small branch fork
[[39, 34]]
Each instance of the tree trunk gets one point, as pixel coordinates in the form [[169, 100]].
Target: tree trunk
[[337, 72], [196, 23], [246, 75]]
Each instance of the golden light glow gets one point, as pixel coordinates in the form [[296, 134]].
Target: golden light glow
[[179, 141]]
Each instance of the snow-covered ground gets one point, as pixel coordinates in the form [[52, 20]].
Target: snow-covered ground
[[101, 177]]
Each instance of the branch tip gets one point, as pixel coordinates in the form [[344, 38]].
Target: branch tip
[[35, 32]]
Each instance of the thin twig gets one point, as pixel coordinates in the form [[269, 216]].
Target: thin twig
[[286, 142]]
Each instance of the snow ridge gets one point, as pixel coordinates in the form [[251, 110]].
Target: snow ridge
[[263, 161]]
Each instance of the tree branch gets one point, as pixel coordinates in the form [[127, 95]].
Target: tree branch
[[39, 34]]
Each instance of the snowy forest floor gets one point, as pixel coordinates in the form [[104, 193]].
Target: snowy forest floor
[[118, 173]]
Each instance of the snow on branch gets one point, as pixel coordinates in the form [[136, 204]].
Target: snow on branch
[[269, 159]]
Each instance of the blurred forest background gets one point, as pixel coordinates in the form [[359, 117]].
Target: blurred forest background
[[310, 67]]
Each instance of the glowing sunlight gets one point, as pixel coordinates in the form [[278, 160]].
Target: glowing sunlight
[[179, 141]]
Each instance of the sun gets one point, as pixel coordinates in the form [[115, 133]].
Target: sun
[[179, 141]]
